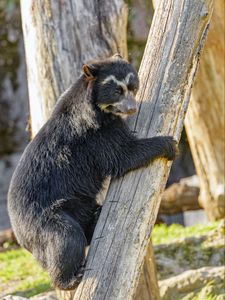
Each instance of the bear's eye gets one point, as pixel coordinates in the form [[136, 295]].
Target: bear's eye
[[119, 91]]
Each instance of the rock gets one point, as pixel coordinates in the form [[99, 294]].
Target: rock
[[192, 282], [11, 297], [192, 267], [190, 253], [43, 296]]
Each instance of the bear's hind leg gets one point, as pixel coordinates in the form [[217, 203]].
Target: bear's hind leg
[[65, 250]]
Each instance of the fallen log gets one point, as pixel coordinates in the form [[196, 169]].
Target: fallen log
[[181, 196]]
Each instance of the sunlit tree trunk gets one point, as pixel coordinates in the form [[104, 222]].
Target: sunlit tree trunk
[[205, 119]]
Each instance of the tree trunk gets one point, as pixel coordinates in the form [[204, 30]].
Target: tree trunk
[[205, 119], [166, 74], [148, 288], [59, 37]]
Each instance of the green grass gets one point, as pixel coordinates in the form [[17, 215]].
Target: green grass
[[212, 291], [21, 275], [163, 234]]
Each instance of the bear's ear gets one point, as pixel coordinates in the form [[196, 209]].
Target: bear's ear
[[89, 71], [117, 56]]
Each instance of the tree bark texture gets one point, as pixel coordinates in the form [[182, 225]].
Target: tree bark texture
[[167, 71], [148, 288], [205, 119], [62, 35]]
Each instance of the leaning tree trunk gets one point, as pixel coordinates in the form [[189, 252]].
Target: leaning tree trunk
[[205, 119], [59, 37], [167, 71]]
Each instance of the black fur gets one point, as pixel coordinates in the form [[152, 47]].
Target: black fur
[[52, 196]]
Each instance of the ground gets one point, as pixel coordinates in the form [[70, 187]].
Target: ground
[[178, 251], [190, 261], [21, 275]]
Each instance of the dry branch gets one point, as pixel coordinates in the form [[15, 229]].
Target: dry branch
[[167, 71]]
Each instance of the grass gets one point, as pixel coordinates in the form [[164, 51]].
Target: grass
[[21, 275], [211, 291], [163, 234], [178, 249]]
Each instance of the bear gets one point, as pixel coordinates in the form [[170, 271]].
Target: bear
[[52, 198]]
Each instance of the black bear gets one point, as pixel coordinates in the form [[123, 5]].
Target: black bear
[[52, 196]]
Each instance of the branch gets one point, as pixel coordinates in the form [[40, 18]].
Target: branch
[[166, 74]]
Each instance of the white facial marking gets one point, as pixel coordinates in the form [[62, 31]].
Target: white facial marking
[[118, 82], [123, 83], [127, 78]]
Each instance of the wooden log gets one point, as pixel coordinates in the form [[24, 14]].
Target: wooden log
[[205, 121], [181, 196], [167, 71]]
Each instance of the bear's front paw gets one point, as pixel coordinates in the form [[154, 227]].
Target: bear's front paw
[[171, 147], [78, 276]]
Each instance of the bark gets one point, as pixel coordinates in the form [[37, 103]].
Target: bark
[[205, 119], [181, 196], [168, 67], [148, 288], [189, 283], [59, 37]]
